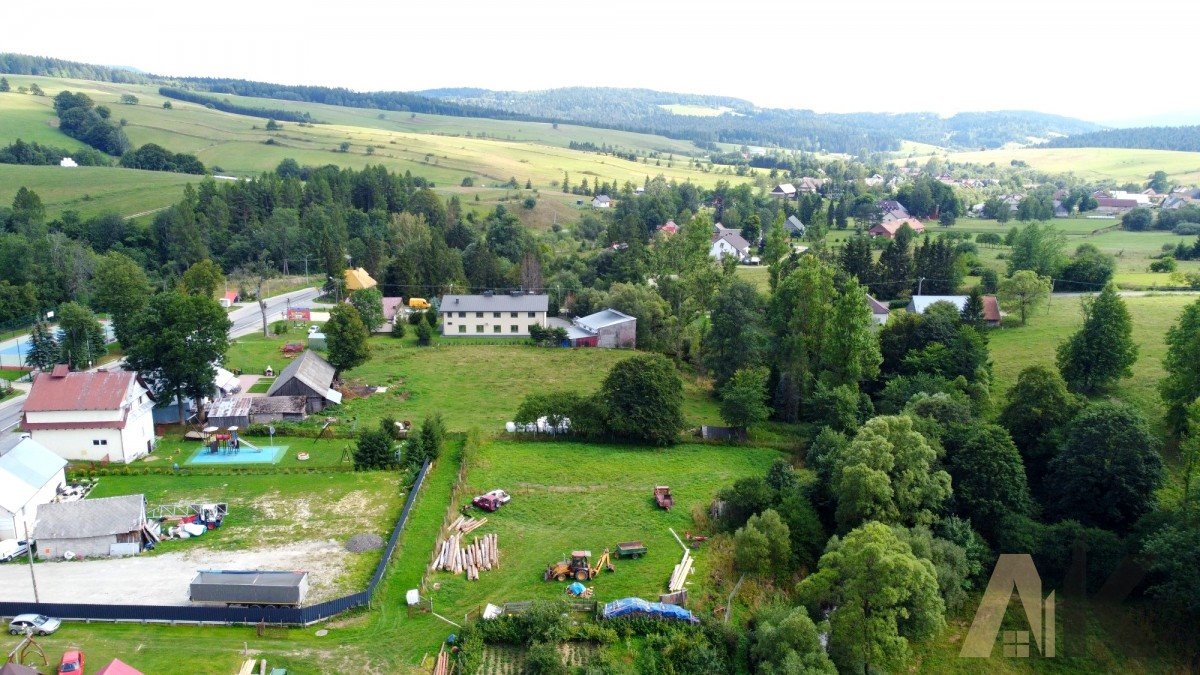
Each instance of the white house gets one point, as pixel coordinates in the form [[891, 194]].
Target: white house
[[492, 314], [601, 202], [30, 475], [728, 243], [92, 416], [784, 190], [879, 311]]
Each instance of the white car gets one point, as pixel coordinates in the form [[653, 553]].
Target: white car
[[38, 624], [10, 549], [500, 495]]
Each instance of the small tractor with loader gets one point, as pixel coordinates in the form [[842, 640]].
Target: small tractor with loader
[[579, 567]]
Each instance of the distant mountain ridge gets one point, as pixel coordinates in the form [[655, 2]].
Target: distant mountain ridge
[[733, 120]]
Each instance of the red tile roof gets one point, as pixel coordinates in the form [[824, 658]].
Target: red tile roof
[[889, 229], [991, 308], [78, 391]]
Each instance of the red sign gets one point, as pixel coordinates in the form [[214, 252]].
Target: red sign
[[297, 314]]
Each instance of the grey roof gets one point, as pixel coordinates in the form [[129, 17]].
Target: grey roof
[[24, 470], [605, 317], [90, 517], [876, 306], [793, 224], [733, 238], [309, 368], [920, 303], [260, 405], [249, 577], [234, 406], [524, 302]]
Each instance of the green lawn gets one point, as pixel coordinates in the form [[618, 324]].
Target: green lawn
[[568, 496], [322, 452], [1014, 349], [92, 190], [1117, 165]]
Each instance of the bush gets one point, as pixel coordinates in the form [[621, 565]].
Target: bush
[[529, 202], [398, 330], [424, 334], [1187, 229], [279, 327], [1164, 264], [415, 318], [990, 238]]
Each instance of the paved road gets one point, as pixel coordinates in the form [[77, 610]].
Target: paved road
[[248, 319]]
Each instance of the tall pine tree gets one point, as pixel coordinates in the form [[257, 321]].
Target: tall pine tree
[[43, 349]]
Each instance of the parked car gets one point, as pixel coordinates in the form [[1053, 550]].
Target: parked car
[[39, 623], [500, 495], [487, 503], [11, 549], [72, 662]]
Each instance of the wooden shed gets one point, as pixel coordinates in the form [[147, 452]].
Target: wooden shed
[[309, 376]]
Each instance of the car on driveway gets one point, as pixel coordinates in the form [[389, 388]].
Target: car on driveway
[[40, 624], [11, 549], [72, 662]]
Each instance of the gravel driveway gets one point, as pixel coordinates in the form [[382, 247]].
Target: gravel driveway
[[164, 579]]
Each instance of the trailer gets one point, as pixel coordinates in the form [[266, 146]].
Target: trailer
[[250, 588], [631, 549]]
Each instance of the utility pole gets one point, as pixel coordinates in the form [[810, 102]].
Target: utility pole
[[29, 553], [920, 282]]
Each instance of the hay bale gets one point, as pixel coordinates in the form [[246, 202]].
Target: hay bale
[[361, 543]]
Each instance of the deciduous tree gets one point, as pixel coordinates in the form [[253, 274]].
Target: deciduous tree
[[1181, 386], [744, 398], [369, 303], [1024, 291], [1103, 350], [122, 289], [82, 337], [644, 399], [346, 338]]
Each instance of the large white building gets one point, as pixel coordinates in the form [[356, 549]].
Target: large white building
[[92, 416], [492, 315], [30, 475]]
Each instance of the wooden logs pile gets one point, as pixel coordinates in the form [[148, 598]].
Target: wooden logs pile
[[465, 524], [442, 665], [456, 556], [680, 574]]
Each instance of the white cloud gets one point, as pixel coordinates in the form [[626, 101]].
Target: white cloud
[[1101, 60]]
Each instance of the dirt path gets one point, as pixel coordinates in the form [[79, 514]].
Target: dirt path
[[164, 579]]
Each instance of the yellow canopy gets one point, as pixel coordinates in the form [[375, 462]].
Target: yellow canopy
[[358, 279]]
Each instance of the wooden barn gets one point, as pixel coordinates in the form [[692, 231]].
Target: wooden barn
[[309, 376], [94, 528]]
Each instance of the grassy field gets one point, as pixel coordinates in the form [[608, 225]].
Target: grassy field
[[1111, 165], [425, 380], [1014, 349], [92, 190], [443, 149], [598, 496]]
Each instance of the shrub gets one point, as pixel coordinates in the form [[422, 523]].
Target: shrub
[[529, 202], [398, 329], [1164, 264], [424, 334], [1187, 229]]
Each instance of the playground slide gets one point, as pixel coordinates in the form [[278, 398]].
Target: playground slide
[[247, 444]]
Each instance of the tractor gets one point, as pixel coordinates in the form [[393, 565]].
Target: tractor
[[578, 567]]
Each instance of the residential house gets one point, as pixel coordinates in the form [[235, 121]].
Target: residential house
[[357, 279], [991, 306], [225, 383], [1176, 201], [892, 210], [392, 307], [875, 180], [309, 376], [30, 476], [729, 243], [1114, 206], [493, 314], [91, 528], [601, 202], [607, 328], [809, 185], [669, 228], [889, 229], [793, 226], [1060, 211], [92, 416], [784, 191], [879, 311], [229, 298]]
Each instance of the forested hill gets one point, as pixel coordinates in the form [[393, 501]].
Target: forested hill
[[709, 118], [702, 119], [1142, 138]]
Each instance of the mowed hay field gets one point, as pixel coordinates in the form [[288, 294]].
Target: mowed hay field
[[443, 149], [1014, 349], [577, 496]]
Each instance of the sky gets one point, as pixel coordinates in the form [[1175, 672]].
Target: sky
[[1102, 61]]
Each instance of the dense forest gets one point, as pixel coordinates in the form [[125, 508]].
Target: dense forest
[[1186, 139], [225, 105]]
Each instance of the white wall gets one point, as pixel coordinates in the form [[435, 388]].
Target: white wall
[[11, 524], [451, 322]]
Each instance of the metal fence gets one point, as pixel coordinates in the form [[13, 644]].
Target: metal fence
[[298, 616]]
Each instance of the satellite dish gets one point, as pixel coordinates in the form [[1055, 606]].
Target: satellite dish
[[68, 556]]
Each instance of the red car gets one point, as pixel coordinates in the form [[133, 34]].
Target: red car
[[487, 502], [72, 662]]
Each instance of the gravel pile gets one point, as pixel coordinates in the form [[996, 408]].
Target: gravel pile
[[360, 543]]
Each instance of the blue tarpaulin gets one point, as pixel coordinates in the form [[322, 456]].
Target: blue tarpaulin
[[576, 589], [638, 606]]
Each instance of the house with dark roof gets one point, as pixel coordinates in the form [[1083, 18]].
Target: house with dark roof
[[309, 376], [392, 307], [493, 314], [242, 411], [793, 226], [810, 185], [892, 210], [30, 475], [92, 528], [601, 202], [91, 416], [889, 229], [728, 243]]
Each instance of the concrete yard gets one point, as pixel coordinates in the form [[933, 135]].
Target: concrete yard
[[164, 579]]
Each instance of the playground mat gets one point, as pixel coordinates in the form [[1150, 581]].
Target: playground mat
[[264, 454]]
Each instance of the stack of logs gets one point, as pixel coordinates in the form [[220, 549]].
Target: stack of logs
[[456, 556], [442, 665], [465, 524], [680, 574]]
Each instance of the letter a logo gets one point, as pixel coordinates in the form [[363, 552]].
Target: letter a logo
[[1012, 570]]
